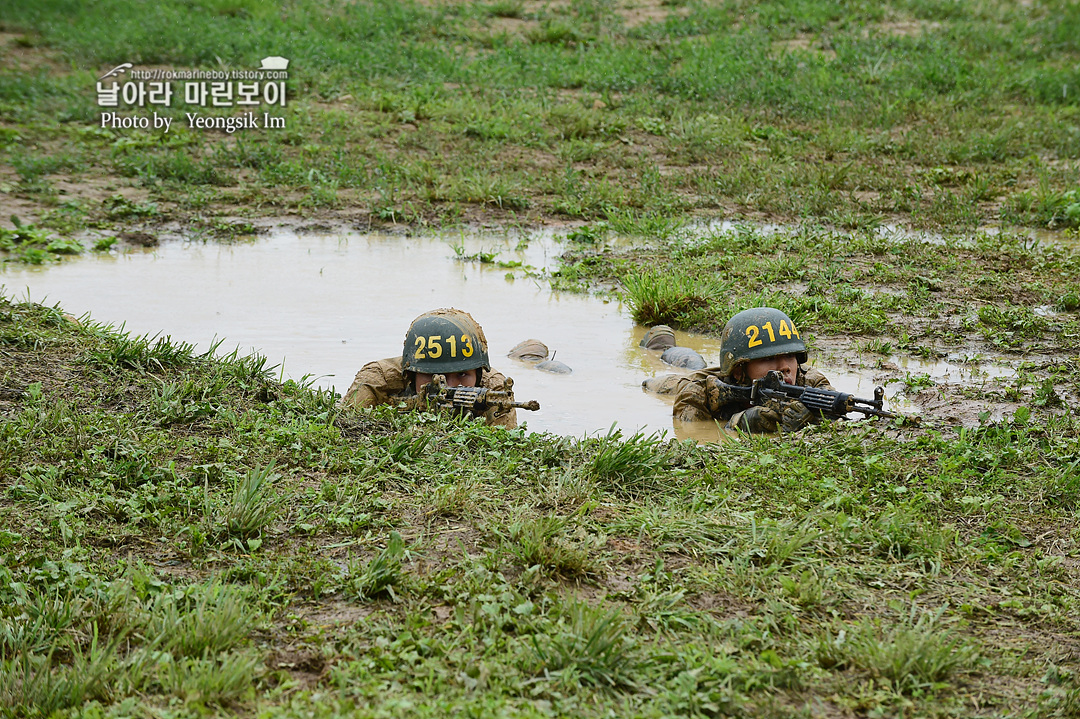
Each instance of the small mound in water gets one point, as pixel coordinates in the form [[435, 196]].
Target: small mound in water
[[529, 351], [664, 384], [683, 357], [554, 366], [659, 337]]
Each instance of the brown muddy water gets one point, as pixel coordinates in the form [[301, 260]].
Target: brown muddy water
[[321, 305]]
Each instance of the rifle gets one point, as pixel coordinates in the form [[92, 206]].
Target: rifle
[[822, 402], [473, 400]]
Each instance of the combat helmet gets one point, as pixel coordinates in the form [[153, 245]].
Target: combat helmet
[[444, 341], [756, 334], [660, 337]]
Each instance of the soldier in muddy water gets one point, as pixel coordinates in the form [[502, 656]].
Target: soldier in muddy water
[[753, 343], [661, 338], [447, 342]]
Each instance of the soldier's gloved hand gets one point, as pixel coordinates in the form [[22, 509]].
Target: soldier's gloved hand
[[717, 395], [794, 416], [416, 401], [760, 419]]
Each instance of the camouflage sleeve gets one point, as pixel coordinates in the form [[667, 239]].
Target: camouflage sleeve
[[691, 403], [376, 383], [813, 378], [508, 419]]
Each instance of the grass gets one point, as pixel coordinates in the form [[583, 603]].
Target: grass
[[267, 552], [425, 113], [185, 535], [381, 574], [914, 654], [588, 648], [982, 292], [34, 246], [253, 505]]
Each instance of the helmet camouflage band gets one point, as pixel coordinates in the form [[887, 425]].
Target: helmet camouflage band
[[444, 341], [756, 334]]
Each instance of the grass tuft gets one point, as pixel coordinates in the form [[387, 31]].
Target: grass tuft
[[254, 503], [587, 647], [629, 466], [657, 298], [381, 574], [919, 652]]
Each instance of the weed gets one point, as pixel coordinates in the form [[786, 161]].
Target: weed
[[29, 683], [222, 681], [506, 8], [628, 465], [448, 500], [381, 574], [118, 207], [777, 544], [661, 299], [142, 353], [202, 621], [916, 653], [589, 234], [35, 246], [917, 382], [653, 225], [807, 589], [586, 646], [542, 542], [899, 536], [254, 504], [666, 611], [104, 244], [571, 487]]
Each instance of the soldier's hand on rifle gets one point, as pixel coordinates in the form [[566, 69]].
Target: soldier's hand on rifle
[[794, 416], [717, 395], [775, 414], [417, 401], [761, 419]]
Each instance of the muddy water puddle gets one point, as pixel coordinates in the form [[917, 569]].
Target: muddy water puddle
[[321, 305]]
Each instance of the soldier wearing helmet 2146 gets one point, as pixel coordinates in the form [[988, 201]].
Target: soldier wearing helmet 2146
[[445, 342], [754, 342]]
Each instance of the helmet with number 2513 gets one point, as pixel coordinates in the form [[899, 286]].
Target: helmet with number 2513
[[444, 341]]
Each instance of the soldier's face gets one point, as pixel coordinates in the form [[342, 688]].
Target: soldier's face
[[787, 364], [466, 378]]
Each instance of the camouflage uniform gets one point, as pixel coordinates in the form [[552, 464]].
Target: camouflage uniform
[[693, 402], [759, 337], [439, 342], [383, 382]]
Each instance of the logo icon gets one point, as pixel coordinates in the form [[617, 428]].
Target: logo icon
[[121, 69], [274, 62]]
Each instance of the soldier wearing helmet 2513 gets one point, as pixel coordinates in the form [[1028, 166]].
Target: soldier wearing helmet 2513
[[444, 341], [753, 343]]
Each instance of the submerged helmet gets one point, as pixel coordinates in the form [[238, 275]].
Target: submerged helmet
[[756, 334], [659, 337], [444, 341]]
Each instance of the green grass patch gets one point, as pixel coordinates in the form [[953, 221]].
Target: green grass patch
[[183, 528], [582, 111]]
